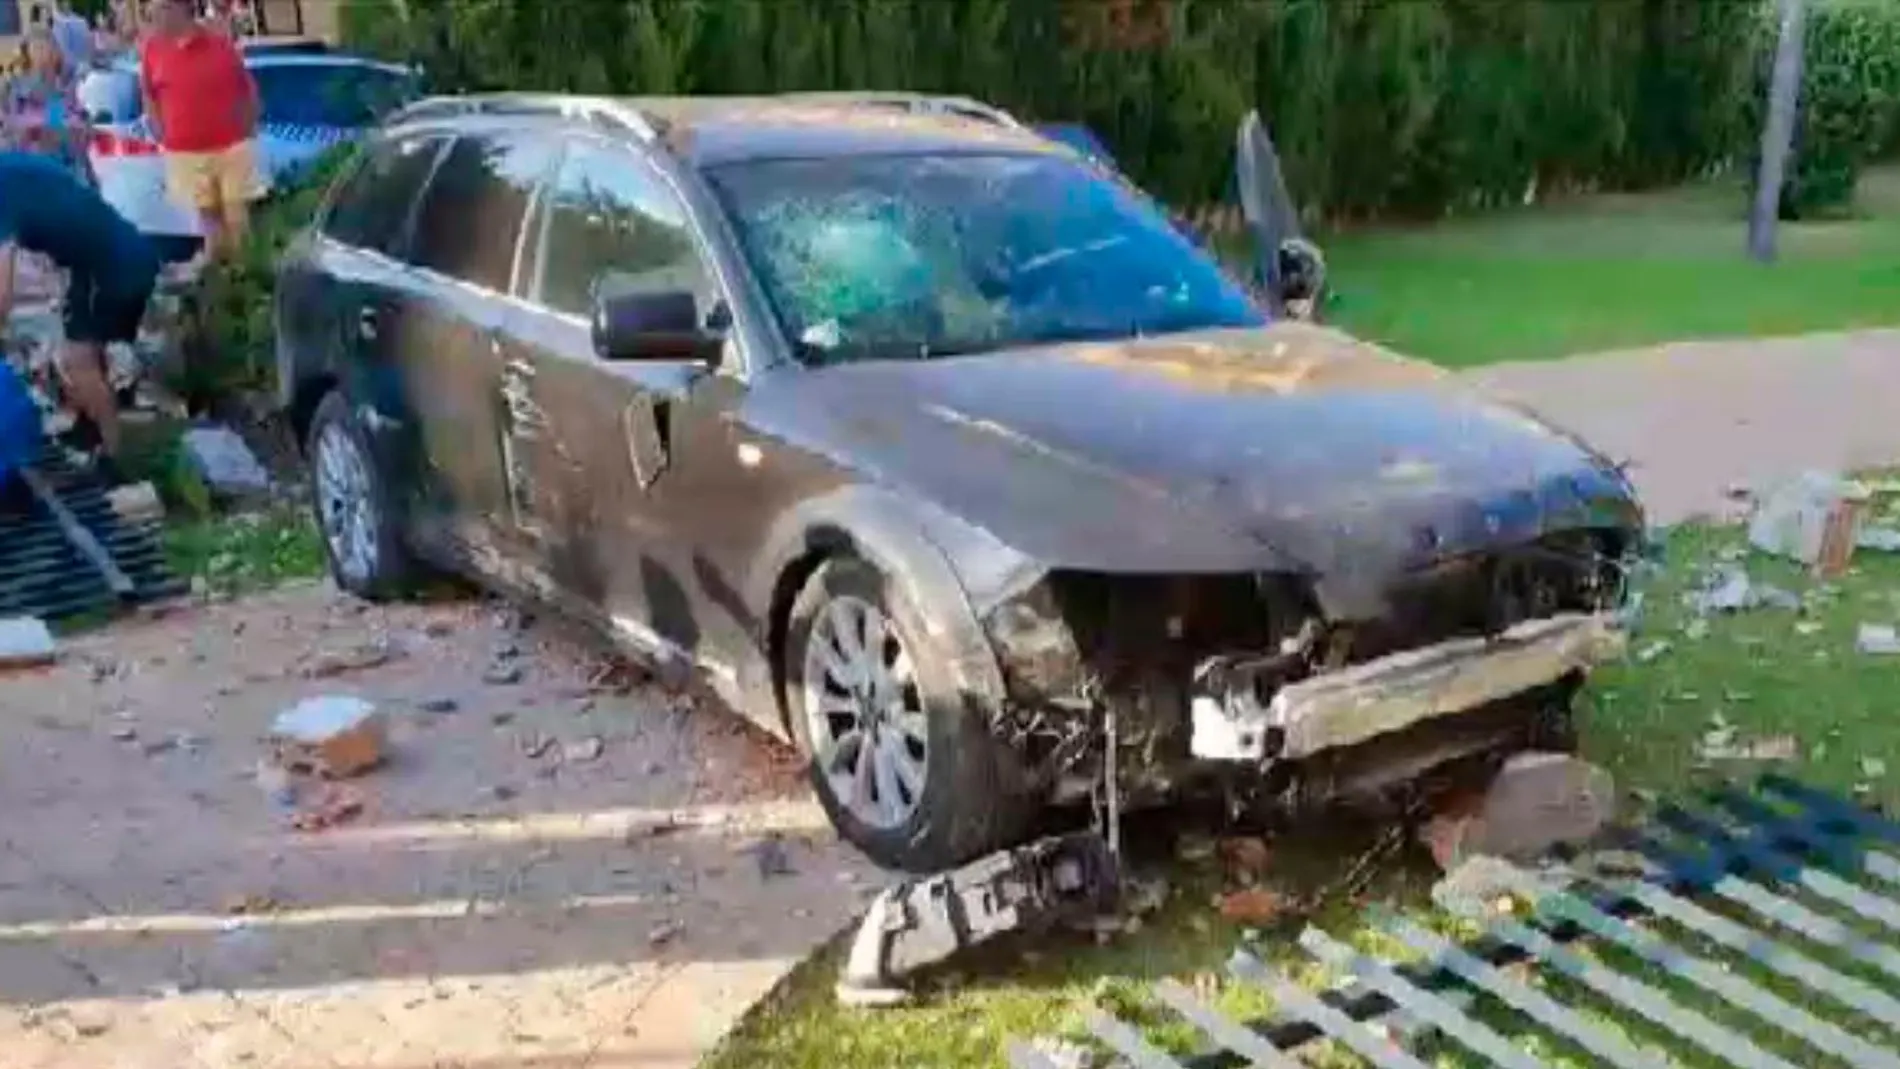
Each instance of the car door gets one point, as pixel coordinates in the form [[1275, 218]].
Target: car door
[[612, 432], [446, 332]]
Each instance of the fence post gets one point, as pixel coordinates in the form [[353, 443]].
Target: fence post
[[1777, 136]]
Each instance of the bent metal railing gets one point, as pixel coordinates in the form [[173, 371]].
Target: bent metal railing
[[1712, 927]]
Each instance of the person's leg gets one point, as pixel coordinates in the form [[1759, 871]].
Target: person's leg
[[237, 182], [82, 364], [193, 178]]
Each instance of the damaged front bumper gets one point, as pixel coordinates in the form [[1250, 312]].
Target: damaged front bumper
[[1232, 721]]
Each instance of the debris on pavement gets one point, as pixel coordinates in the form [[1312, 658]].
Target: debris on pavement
[[583, 751], [360, 658], [26, 642], [1721, 743], [773, 860], [334, 737], [926, 921], [1879, 639], [1811, 518], [503, 673], [1252, 905], [335, 804], [1245, 858], [1537, 800], [1729, 589], [1873, 767], [136, 503], [218, 455], [1879, 539]]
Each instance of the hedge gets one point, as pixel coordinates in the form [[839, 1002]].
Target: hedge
[[1381, 107], [1850, 100]]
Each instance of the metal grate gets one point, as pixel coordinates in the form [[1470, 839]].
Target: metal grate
[[1713, 898], [46, 569]]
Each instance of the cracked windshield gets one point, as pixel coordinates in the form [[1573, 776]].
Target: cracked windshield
[[914, 257]]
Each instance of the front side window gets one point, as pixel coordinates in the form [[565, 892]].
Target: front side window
[[469, 222], [613, 228], [915, 256], [372, 207]]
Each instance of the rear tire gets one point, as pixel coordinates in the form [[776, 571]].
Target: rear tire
[[354, 508], [862, 672]]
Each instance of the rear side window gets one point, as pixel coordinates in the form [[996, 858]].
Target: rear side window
[[372, 207], [470, 219]]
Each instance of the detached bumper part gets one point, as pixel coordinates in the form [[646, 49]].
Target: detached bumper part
[[923, 922], [1356, 704]]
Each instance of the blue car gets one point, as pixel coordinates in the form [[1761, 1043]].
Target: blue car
[[311, 101]]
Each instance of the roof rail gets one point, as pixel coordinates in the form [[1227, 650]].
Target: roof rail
[[601, 111]]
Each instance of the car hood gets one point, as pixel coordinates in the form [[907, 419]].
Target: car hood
[[1289, 446]]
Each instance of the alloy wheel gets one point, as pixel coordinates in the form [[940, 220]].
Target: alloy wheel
[[865, 712], [346, 511]]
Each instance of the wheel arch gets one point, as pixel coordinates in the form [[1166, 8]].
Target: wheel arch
[[305, 395], [890, 533]]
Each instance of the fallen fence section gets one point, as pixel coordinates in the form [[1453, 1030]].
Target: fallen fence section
[[1709, 899], [64, 552]]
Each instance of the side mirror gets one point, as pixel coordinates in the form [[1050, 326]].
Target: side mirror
[[1302, 276], [654, 326]]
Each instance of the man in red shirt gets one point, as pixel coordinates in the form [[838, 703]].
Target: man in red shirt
[[203, 107]]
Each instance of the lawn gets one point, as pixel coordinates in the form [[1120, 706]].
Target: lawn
[[1765, 674], [1614, 271]]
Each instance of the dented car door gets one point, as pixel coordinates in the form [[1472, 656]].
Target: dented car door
[[607, 445], [467, 238]]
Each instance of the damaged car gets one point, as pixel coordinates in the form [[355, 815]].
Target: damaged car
[[935, 450]]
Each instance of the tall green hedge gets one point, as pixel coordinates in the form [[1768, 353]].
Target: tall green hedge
[[1850, 100], [1382, 107]]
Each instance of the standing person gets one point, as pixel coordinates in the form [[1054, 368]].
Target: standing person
[[111, 270], [73, 34], [204, 111], [39, 108]]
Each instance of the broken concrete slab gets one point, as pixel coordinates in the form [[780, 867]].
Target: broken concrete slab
[[1811, 518], [26, 642], [226, 464], [1880, 639], [1536, 802], [333, 736], [136, 503]]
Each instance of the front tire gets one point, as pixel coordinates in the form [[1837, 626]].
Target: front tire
[[900, 758], [354, 508]]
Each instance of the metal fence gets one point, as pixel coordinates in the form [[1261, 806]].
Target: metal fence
[[1750, 928]]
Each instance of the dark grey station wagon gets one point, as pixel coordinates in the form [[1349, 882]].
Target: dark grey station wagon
[[935, 448]]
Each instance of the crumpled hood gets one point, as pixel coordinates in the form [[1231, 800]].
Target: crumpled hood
[[1292, 445]]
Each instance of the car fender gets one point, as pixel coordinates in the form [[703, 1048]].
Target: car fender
[[917, 547]]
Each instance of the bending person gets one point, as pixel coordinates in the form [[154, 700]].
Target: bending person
[[111, 271]]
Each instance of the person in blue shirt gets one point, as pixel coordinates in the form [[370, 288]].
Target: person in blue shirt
[[111, 270]]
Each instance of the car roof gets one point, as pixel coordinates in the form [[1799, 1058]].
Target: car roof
[[255, 60], [713, 130]]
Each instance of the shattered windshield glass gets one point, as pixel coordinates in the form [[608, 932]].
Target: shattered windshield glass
[[914, 257]]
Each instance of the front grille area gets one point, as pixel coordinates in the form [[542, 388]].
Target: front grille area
[[1482, 594]]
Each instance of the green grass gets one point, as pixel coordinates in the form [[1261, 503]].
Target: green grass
[[248, 551], [1614, 271], [230, 553], [1766, 672]]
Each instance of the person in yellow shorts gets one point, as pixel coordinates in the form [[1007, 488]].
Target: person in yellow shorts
[[203, 106]]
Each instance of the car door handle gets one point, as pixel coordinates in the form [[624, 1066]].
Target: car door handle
[[368, 324]]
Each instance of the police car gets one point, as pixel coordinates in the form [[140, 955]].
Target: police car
[[312, 99]]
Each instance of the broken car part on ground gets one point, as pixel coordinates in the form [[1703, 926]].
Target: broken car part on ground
[[937, 449]]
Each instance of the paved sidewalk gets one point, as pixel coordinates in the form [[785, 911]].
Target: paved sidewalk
[[508, 899], [1697, 418]]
